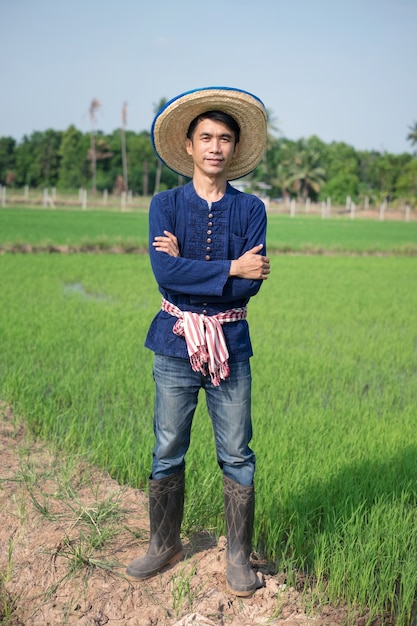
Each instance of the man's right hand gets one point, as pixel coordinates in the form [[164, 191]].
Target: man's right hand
[[251, 265], [167, 243]]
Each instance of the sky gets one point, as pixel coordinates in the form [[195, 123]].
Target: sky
[[344, 70]]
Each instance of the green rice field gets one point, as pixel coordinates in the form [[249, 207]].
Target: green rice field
[[307, 233], [334, 387]]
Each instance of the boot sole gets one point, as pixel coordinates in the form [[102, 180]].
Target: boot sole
[[240, 594], [172, 561]]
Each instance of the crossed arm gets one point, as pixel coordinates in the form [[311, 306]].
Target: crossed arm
[[251, 264]]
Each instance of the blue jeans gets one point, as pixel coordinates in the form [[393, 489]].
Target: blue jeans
[[229, 407]]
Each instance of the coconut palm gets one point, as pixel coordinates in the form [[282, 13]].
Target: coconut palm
[[266, 168], [157, 107], [282, 179], [306, 172], [272, 123], [412, 135], [123, 137], [94, 107]]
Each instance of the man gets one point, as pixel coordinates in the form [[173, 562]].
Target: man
[[207, 250]]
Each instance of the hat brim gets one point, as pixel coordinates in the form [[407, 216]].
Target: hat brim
[[170, 126]]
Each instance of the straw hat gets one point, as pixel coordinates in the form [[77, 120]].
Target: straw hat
[[170, 126]]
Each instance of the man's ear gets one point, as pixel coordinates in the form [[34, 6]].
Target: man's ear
[[189, 146]]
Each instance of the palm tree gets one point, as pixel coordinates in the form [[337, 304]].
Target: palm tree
[[123, 134], [306, 171], [282, 179], [412, 135], [272, 123], [94, 106], [157, 107], [272, 127]]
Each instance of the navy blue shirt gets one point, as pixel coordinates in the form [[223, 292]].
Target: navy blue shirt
[[209, 238]]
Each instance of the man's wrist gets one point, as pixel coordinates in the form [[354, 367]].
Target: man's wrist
[[233, 271]]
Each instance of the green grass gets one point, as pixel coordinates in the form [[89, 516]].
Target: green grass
[[341, 234], [339, 417], [334, 393], [90, 325], [334, 403], [43, 227]]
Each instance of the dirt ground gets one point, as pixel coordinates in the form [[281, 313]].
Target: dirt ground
[[66, 533]]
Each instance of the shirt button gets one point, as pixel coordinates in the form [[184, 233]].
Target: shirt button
[[208, 240], [209, 232], [208, 249], [210, 215], [204, 312], [210, 224], [207, 257]]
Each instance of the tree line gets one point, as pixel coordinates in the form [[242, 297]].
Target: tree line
[[125, 160]]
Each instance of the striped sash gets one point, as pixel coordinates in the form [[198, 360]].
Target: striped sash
[[205, 338]]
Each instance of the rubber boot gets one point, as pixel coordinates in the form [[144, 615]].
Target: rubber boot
[[166, 505], [239, 506]]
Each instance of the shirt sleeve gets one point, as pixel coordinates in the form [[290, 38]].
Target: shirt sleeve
[[179, 275], [243, 288]]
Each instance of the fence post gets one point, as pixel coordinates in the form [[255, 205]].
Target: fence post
[[84, 198], [348, 203], [352, 210], [292, 207], [407, 212], [382, 208], [328, 206], [105, 197], [26, 193]]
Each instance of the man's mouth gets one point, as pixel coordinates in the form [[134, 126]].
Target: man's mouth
[[215, 161]]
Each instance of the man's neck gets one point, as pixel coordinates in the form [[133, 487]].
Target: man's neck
[[211, 189]]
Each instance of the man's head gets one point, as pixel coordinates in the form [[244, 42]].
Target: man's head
[[216, 116], [212, 143], [239, 111]]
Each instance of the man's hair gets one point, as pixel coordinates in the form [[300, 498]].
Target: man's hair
[[217, 116]]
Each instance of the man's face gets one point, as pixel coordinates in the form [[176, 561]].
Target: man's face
[[212, 147]]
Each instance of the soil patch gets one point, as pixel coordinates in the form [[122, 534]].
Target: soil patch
[[66, 532]]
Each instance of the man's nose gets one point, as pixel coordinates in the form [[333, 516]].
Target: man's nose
[[215, 145]]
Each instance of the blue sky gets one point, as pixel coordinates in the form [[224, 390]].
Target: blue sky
[[344, 70]]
